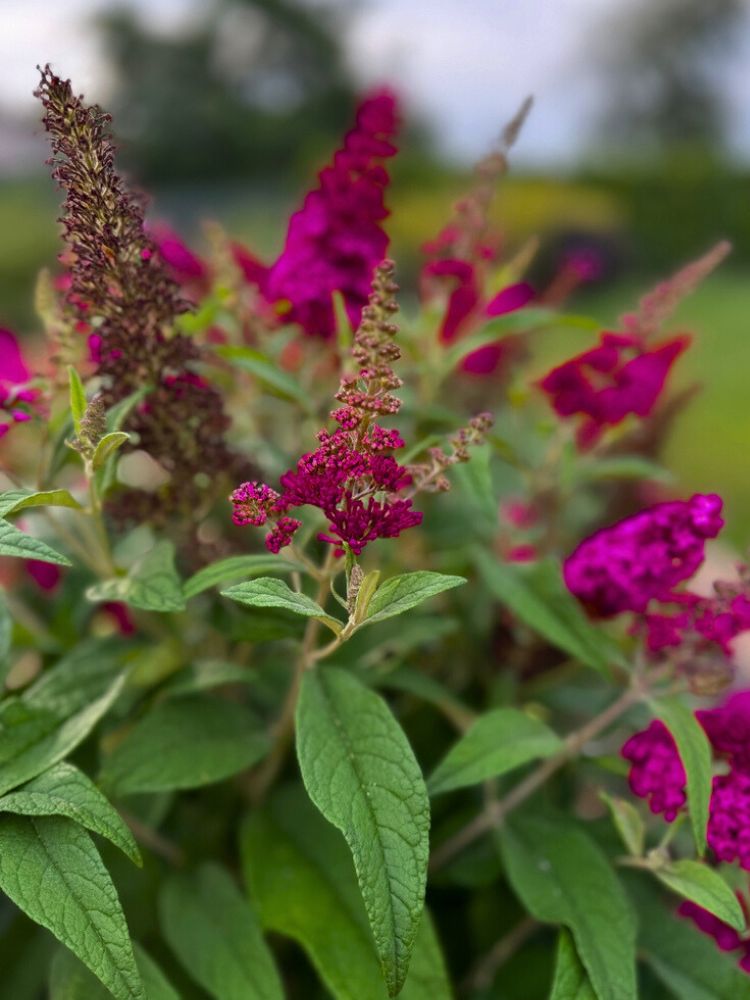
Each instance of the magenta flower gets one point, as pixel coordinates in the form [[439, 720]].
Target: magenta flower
[[643, 557], [336, 239], [728, 832], [617, 378], [17, 398], [726, 937], [728, 728], [656, 771], [185, 267]]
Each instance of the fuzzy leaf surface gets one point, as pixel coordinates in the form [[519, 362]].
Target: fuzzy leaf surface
[[11, 501], [215, 933], [52, 871], [301, 876], [22, 546], [704, 886], [63, 790], [360, 771], [571, 981], [266, 592], [400, 593]]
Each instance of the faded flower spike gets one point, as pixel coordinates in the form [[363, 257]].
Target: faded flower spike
[[352, 477]]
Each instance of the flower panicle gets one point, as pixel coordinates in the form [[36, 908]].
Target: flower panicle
[[430, 476]]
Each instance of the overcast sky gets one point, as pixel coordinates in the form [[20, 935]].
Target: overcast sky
[[465, 65]]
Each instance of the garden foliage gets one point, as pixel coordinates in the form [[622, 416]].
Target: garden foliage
[[346, 652]]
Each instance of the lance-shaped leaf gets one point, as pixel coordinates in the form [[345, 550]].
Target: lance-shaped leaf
[[695, 754], [571, 981], [216, 935], [63, 790], [52, 871], [361, 773], [498, 742], [302, 880], [268, 373], [69, 979], [236, 568], [562, 877], [33, 739], [400, 593], [108, 445], [704, 886], [185, 743], [269, 593], [22, 546], [152, 583], [538, 597], [83, 675], [12, 501], [78, 402]]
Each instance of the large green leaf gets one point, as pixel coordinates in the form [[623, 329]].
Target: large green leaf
[[216, 935], [83, 675], [33, 739], [235, 568], [185, 743], [401, 593], [302, 879], [695, 754], [11, 501], [266, 592], [15, 543], [498, 742], [685, 959], [571, 981], [562, 877], [361, 773], [538, 597], [52, 871], [63, 790], [152, 583], [70, 979], [704, 886]]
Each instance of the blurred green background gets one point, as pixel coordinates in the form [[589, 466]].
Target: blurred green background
[[225, 109]]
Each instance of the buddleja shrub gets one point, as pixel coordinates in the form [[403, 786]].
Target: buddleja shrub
[[252, 700]]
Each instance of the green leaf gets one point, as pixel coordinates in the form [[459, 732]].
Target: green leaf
[[361, 773], [207, 674], [685, 959], [117, 415], [628, 823], [695, 754], [266, 592], [268, 373], [63, 790], [301, 876], [571, 981], [107, 446], [185, 743], [33, 739], [215, 933], [538, 597], [474, 478], [71, 980], [400, 593], [15, 543], [498, 742], [704, 886], [50, 868], [623, 467], [152, 583], [562, 877], [83, 675], [520, 321], [11, 501], [235, 568], [78, 401], [6, 637]]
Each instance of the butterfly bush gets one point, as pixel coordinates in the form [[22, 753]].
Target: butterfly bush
[[470, 657]]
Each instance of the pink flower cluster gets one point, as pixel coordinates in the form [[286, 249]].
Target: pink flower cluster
[[352, 476], [643, 557], [17, 398], [618, 377], [657, 774]]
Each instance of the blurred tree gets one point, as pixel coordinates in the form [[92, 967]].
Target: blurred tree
[[661, 70], [250, 85]]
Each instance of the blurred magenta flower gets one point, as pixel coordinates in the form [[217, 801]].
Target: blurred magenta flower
[[17, 397]]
